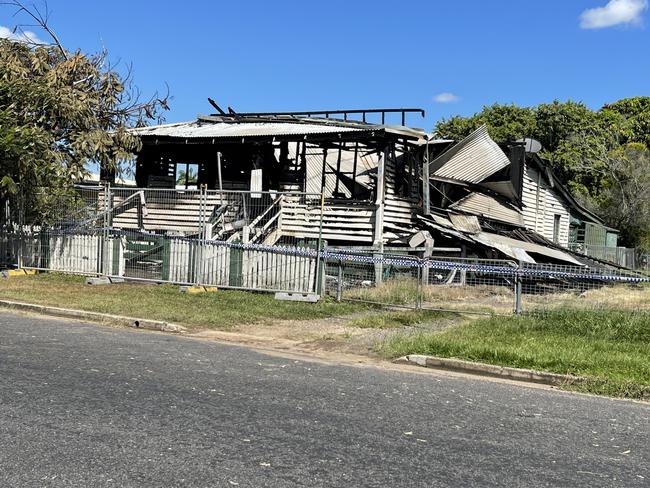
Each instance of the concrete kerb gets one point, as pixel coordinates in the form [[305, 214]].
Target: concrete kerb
[[517, 374], [94, 316]]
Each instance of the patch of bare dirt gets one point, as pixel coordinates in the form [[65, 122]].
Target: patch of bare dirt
[[330, 335]]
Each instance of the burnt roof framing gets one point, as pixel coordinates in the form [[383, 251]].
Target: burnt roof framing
[[312, 113]]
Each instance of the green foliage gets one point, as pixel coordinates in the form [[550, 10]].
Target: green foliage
[[631, 116], [590, 151], [60, 110], [505, 123], [557, 122], [626, 200]]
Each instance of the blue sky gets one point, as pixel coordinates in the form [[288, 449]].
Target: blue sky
[[302, 55]]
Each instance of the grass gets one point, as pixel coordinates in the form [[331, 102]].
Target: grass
[[399, 319], [609, 347], [400, 291], [612, 296], [404, 291], [224, 309]]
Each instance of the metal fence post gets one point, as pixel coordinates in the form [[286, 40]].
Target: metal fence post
[[320, 269], [339, 282], [420, 287], [21, 229], [518, 290], [106, 222]]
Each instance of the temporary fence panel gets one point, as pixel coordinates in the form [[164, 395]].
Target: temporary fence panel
[[76, 253], [9, 248], [31, 250], [237, 265], [469, 284], [373, 277], [275, 270], [197, 262], [547, 286]]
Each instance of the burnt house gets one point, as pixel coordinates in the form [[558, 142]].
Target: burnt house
[[369, 174], [273, 178]]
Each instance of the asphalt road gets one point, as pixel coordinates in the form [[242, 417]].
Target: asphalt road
[[91, 406]]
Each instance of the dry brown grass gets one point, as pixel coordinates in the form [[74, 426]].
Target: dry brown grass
[[500, 299], [403, 291], [456, 293], [400, 291], [610, 297]]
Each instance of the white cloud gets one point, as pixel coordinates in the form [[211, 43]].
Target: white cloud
[[446, 97], [19, 35], [616, 12]]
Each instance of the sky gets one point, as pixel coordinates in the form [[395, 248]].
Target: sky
[[447, 57]]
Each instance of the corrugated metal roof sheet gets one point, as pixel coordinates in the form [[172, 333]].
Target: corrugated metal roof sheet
[[466, 223], [514, 247], [208, 130], [489, 207], [504, 188], [471, 160]]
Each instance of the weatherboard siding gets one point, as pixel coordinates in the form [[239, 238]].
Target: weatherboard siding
[[540, 206]]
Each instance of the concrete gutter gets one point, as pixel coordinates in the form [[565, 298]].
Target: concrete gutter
[[483, 369], [93, 316]]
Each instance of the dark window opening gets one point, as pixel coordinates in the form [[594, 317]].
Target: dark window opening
[[556, 228]]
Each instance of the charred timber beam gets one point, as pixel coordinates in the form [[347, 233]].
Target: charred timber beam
[[327, 113], [214, 104]]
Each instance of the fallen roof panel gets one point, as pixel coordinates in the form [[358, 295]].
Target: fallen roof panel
[[501, 242], [466, 223], [504, 188], [489, 207], [472, 160]]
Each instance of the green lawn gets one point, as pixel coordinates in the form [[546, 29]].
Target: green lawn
[[399, 319], [610, 347], [223, 309]]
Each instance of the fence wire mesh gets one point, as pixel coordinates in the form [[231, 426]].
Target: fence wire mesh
[[480, 286]]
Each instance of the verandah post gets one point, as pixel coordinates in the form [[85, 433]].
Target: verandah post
[[426, 201], [378, 243]]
